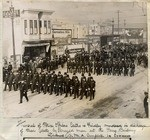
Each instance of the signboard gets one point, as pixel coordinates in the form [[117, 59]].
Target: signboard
[[130, 33], [11, 13], [79, 40], [62, 36], [134, 33]]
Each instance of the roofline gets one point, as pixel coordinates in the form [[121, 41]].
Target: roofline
[[38, 11]]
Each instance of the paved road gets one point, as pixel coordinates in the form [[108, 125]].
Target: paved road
[[116, 97]]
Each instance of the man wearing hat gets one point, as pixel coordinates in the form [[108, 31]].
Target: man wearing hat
[[23, 91]]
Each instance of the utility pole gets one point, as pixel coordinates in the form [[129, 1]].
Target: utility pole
[[94, 26], [124, 29], [88, 40], [118, 20], [12, 14], [112, 31]]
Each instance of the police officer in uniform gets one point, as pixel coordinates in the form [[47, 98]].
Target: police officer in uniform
[[10, 80], [132, 69], [76, 88], [83, 86], [23, 91], [68, 85], [52, 83], [6, 81], [59, 83], [9, 67], [64, 82], [16, 82], [55, 82], [92, 89], [46, 82]]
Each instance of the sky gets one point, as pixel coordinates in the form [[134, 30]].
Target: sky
[[86, 12]]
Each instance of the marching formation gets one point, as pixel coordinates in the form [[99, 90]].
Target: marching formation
[[51, 83], [117, 60], [39, 75]]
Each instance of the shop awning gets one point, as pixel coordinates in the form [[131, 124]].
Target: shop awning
[[35, 44]]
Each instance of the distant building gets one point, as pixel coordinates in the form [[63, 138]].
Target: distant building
[[134, 35], [33, 35]]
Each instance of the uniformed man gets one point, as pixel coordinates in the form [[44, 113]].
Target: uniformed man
[[23, 91], [92, 89], [74, 77], [16, 82], [110, 65], [68, 85], [46, 82], [10, 80], [64, 82], [43, 81], [83, 86], [52, 83], [90, 66], [126, 68], [120, 68], [95, 67], [9, 67], [89, 79], [55, 82], [34, 82], [30, 80], [132, 69], [6, 81], [59, 83], [76, 88], [105, 68]]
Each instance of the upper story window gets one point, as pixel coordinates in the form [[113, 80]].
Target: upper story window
[[25, 27], [49, 27], [45, 26], [31, 26], [40, 26], [35, 27]]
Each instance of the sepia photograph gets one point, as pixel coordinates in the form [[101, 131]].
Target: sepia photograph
[[75, 59]]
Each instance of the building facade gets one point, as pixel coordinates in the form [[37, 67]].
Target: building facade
[[33, 35]]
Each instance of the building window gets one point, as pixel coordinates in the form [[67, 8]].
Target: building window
[[31, 26], [45, 26], [40, 26], [25, 26], [49, 27], [35, 27]]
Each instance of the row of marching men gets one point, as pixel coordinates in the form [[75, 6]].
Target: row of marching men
[[109, 67], [52, 83]]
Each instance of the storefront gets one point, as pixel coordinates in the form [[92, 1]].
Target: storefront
[[32, 50]]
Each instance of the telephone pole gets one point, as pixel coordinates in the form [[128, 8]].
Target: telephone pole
[[112, 31], [12, 14], [124, 30], [118, 20]]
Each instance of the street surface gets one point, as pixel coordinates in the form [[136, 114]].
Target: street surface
[[116, 97]]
